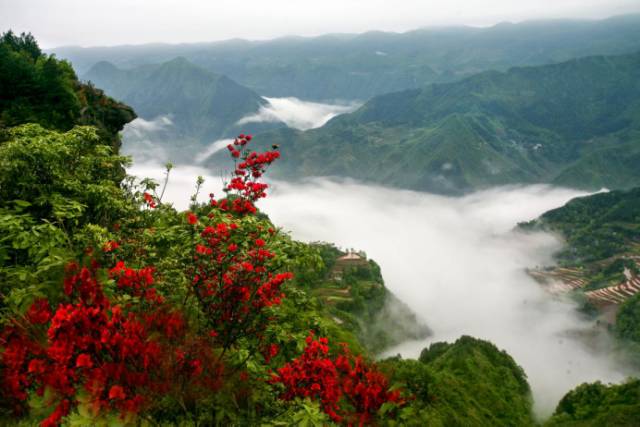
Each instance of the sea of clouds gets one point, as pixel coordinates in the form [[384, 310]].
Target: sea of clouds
[[457, 263]]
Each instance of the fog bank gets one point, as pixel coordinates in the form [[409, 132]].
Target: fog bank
[[456, 263], [299, 114]]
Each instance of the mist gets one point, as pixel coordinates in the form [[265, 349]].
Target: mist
[[299, 114], [159, 140], [456, 262]]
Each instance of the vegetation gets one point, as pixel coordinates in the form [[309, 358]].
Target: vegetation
[[596, 227], [198, 106], [598, 404], [38, 88], [574, 124], [360, 66], [602, 234], [469, 382], [602, 250], [628, 320]]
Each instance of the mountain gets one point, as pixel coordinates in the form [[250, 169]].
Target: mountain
[[576, 124], [468, 382], [352, 290], [196, 106], [359, 66], [38, 88], [596, 404], [600, 262], [116, 309]]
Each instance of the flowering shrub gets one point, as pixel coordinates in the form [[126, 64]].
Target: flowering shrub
[[350, 390], [89, 345], [114, 339]]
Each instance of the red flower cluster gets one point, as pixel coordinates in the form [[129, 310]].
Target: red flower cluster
[[244, 184], [118, 359], [136, 282], [192, 218], [348, 389], [149, 200], [232, 285]]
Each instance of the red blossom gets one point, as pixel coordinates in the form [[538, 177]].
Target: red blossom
[[84, 361], [117, 392], [149, 200], [337, 383], [192, 218], [40, 312]]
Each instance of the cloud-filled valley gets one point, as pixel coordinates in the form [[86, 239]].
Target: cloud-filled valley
[[455, 261]]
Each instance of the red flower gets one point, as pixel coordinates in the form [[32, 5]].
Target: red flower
[[330, 381], [84, 361], [37, 366], [148, 198], [192, 218], [39, 313], [117, 392]]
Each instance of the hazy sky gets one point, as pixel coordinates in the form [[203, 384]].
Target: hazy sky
[[112, 22]]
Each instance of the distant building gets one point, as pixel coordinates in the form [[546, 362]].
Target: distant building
[[347, 262]]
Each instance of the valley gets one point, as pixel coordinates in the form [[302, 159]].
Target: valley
[[430, 226]]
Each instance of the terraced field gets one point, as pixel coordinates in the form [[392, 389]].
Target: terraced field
[[564, 280], [615, 294]]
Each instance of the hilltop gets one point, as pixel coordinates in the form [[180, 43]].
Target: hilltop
[[574, 124], [600, 262], [196, 106]]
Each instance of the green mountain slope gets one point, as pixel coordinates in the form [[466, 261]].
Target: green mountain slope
[[600, 261], [591, 405], [596, 228], [201, 106], [359, 66], [468, 382], [551, 123], [38, 88]]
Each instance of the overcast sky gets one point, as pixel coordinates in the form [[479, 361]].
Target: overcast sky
[[112, 22]]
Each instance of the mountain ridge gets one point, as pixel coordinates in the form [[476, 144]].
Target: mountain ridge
[[351, 67], [527, 125], [202, 106]]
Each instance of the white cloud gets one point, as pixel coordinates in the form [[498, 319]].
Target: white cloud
[[213, 148], [298, 114], [141, 128], [455, 262]]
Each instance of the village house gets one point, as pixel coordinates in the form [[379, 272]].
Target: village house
[[348, 262]]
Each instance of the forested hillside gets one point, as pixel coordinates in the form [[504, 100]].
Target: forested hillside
[[198, 106], [574, 124], [35, 87], [118, 309], [359, 66], [600, 261]]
